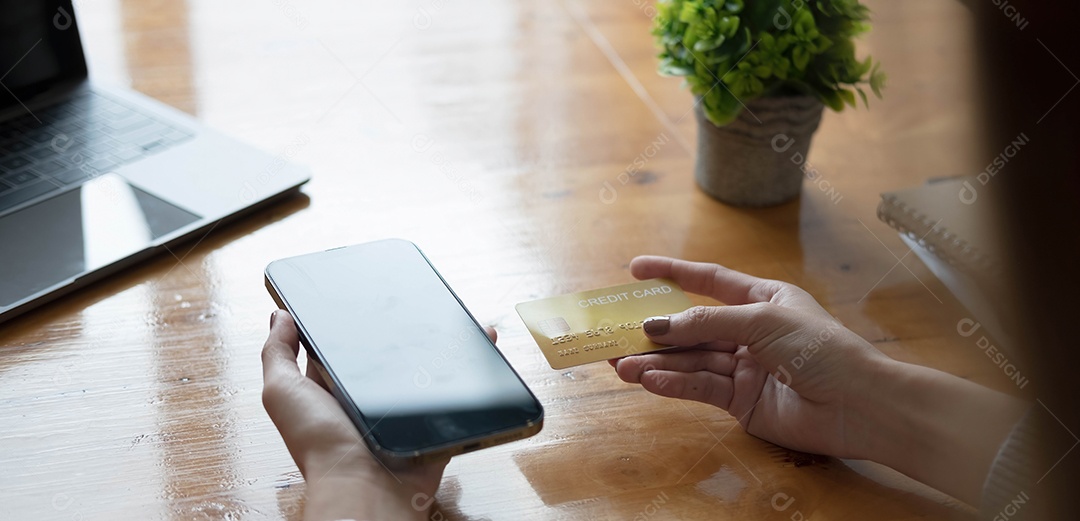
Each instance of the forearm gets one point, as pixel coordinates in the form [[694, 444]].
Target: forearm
[[937, 428]]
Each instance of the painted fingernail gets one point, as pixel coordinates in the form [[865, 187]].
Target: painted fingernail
[[656, 325]]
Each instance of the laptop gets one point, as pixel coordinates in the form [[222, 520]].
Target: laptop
[[93, 179]]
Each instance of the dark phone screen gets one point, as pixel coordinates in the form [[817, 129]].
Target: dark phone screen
[[418, 368]]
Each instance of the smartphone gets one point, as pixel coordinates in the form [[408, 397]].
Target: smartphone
[[409, 364]]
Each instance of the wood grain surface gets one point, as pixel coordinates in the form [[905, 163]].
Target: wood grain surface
[[493, 134]]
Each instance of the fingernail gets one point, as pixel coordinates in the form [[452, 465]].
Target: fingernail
[[273, 318], [656, 325]]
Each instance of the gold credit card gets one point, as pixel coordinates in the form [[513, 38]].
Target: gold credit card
[[600, 324]]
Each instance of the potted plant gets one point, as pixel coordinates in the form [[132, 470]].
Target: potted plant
[[761, 71]]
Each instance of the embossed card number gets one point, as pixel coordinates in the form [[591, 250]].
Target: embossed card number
[[590, 326]]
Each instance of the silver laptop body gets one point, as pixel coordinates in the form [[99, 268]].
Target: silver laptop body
[[93, 179]]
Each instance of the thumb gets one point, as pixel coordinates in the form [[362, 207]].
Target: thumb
[[281, 348], [747, 324]]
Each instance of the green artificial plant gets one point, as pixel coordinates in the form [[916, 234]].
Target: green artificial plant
[[732, 51]]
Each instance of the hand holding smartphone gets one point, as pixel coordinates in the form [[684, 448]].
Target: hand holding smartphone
[[408, 363]]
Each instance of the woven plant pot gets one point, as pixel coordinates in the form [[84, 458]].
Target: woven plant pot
[[757, 159]]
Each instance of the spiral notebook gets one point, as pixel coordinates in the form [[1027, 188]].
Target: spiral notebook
[[948, 219], [948, 223]]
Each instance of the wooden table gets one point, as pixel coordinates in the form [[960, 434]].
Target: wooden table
[[484, 131]]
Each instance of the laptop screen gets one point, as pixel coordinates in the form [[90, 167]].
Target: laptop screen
[[39, 50]]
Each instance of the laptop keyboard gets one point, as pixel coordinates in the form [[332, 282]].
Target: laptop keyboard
[[75, 141]]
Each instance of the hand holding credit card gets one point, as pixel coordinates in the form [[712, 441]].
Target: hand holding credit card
[[600, 324]]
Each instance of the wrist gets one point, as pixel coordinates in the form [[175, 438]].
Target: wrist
[[937, 428], [887, 426], [344, 483], [346, 463], [871, 431]]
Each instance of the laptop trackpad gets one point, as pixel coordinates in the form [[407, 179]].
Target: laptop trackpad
[[101, 222]]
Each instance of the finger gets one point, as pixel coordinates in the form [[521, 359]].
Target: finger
[[723, 284], [752, 378], [723, 346], [718, 345], [281, 347], [748, 325], [491, 333], [631, 368], [701, 386]]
